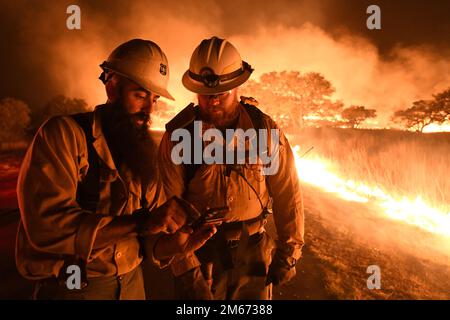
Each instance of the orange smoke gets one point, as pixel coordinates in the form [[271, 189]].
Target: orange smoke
[[353, 64]]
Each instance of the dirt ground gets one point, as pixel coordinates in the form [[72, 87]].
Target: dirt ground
[[342, 240]]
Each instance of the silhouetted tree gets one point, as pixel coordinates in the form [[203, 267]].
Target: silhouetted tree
[[421, 114], [294, 98], [14, 119], [441, 105], [355, 115], [425, 112], [57, 106]]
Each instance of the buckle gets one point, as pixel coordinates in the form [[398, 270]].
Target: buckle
[[291, 262]]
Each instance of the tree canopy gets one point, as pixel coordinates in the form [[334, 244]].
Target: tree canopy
[[58, 106], [355, 115], [425, 112], [295, 99], [14, 119]]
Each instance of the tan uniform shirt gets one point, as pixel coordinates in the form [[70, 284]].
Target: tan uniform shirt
[[52, 222], [211, 188]]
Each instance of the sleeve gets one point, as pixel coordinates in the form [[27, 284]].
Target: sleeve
[[172, 175], [172, 178], [155, 193], [285, 190], [46, 190], [155, 197]]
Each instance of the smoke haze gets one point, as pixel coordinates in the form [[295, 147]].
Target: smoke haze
[[42, 58]]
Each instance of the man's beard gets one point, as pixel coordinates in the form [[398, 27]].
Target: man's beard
[[222, 120], [129, 143]]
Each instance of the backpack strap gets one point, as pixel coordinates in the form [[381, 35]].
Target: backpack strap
[[191, 168], [257, 118], [185, 120], [88, 193], [256, 115], [88, 190]]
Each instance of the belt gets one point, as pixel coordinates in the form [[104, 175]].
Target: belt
[[219, 248], [54, 281], [233, 230], [254, 238]]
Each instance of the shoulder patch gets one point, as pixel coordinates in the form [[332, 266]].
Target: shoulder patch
[[249, 100], [182, 119]]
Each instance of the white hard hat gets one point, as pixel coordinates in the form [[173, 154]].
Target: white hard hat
[[143, 62], [216, 66]]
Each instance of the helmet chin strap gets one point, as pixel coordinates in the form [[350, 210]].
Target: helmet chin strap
[[106, 75], [112, 86]]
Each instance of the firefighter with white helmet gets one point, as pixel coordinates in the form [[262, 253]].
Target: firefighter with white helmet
[[141, 61], [238, 262], [215, 67], [88, 189]]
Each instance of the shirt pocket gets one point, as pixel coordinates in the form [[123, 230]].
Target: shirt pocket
[[111, 191]]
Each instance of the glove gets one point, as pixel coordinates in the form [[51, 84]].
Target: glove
[[281, 270]]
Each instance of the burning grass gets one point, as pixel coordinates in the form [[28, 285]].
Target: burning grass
[[404, 174], [400, 163]]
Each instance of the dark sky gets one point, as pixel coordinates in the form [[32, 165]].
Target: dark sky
[[409, 22], [30, 30], [403, 22]]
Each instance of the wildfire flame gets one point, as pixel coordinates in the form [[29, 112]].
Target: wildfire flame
[[318, 172], [437, 128]]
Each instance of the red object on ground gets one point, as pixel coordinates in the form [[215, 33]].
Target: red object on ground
[[9, 171]]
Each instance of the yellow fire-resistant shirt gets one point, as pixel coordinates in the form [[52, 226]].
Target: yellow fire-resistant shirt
[[53, 225], [210, 187]]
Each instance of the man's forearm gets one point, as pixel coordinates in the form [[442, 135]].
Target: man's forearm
[[164, 248], [118, 229]]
